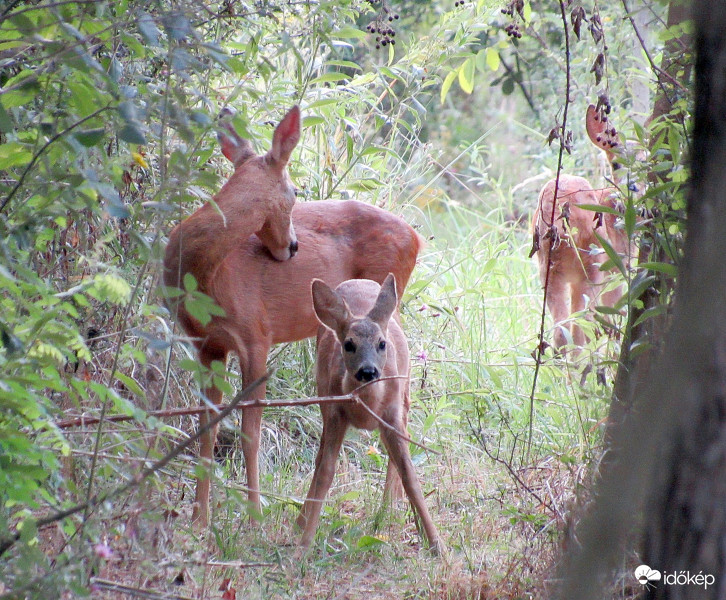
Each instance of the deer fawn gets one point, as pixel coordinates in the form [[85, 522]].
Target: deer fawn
[[268, 301], [568, 242], [360, 340]]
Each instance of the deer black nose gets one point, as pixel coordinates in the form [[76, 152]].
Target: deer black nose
[[367, 374], [293, 248]]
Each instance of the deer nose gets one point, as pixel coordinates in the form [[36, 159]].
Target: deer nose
[[367, 374], [293, 248]]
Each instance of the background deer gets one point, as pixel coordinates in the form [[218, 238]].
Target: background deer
[[359, 341], [268, 301], [569, 243]]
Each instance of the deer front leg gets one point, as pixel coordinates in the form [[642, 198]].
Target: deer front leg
[[400, 455], [200, 512], [252, 369], [393, 489], [334, 428]]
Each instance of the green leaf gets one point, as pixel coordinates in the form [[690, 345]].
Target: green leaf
[[148, 29], [198, 310], [312, 120], [369, 542], [131, 384], [607, 310], [466, 75], [90, 137], [14, 154], [660, 267], [508, 86], [349, 32], [329, 77], [190, 282], [446, 85], [6, 122], [612, 254], [493, 59], [131, 133]]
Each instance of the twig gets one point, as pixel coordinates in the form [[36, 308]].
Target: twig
[[539, 350], [7, 543], [655, 68], [391, 427], [115, 586], [507, 465], [520, 85], [197, 410]]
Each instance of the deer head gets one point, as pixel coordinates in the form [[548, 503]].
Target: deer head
[[264, 180], [362, 338]]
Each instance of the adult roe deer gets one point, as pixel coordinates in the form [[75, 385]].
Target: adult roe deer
[[568, 242], [360, 340], [268, 301]]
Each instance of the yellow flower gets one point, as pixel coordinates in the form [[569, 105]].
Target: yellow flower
[[139, 160]]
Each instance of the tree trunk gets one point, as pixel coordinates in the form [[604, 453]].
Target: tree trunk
[[669, 458]]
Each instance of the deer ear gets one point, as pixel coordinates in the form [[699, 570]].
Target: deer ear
[[599, 130], [385, 303], [235, 148], [330, 308], [285, 138]]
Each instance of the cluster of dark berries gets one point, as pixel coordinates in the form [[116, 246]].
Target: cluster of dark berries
[[513, 31], [459, 3], [517, 5], [385, 34], [603, 102]]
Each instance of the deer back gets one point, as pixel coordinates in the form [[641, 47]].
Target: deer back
[[338, 240]]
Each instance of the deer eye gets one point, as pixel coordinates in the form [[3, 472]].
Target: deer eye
[[616, 166], [349, 346], [382, 345]]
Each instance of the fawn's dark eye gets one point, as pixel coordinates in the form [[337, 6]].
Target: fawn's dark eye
[[616, 166], [382, 345], [349, 346]]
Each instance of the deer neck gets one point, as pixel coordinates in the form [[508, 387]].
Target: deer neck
[[200, 244]]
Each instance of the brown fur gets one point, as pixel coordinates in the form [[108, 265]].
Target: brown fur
[[268, 302], [569, 243], [362, 313]]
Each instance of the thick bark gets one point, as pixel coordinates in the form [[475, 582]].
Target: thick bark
[[669, 458], [685, 522]]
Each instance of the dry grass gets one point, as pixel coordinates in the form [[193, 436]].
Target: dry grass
[[502, 541]]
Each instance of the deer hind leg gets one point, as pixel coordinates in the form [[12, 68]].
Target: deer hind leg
[[398, 451], [586, 294], [334, 428], [253, 365], [558, 303], [200, 513]]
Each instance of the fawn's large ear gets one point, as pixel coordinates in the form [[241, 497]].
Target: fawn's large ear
[[331, 310], [599, 130], [234, 147], [385, 303], [285, 138]]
